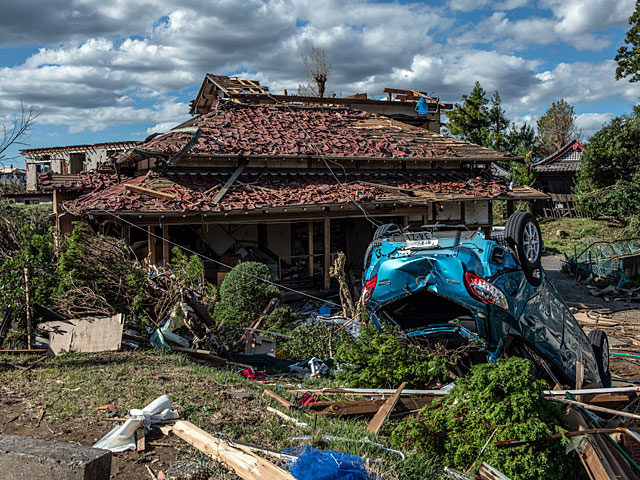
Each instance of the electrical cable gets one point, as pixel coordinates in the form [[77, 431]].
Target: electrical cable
[[255, 277]]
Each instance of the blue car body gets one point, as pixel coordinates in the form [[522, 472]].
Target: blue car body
[[426, 290]]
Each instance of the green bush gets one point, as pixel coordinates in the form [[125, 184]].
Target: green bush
[[26, 241], [282, 319], [312, 340], [243, 296], [506, 399], [189, 271], [382, 359]]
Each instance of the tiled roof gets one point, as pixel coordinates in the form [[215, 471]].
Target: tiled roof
[[81, 182], [566, 159], [125, 144], [194, 191], [275, 131]]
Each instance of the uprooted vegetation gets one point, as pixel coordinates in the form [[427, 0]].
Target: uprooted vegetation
[[497, 402]]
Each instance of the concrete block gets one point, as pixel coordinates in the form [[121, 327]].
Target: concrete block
[[34, 459]]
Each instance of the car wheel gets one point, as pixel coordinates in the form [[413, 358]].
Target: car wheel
[[386, 230], [600, 345], [523, 234], [367, 256]]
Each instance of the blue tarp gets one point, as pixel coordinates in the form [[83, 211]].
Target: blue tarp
[[422, 107], [316, 464]]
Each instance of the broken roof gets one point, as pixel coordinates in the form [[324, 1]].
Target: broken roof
[[232, 129], [182, 190], [566, 159], [123, 145]]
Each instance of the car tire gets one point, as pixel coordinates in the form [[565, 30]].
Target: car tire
[[386, 230], [524, 236], [367, 256], [600, 345]]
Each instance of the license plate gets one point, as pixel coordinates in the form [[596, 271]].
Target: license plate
[[421, 240]]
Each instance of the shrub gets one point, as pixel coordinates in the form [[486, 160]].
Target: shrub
[[243, 296], [506, 399], [190, 273], [312, 340], [382, 359]]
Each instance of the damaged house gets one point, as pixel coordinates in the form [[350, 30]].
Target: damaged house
[[286, 180]]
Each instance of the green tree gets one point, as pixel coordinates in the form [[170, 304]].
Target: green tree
[[470, 118], [498, 125], [556, 128], [607, 183], [520, 141], [628, 56]]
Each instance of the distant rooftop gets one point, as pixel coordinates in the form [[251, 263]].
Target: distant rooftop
[[123, 145]]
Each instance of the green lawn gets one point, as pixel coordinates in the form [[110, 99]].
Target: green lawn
[[580, 233]]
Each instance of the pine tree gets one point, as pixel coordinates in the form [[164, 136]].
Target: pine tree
[[556, 128], [469, 119], [498, 125], [628, 56]]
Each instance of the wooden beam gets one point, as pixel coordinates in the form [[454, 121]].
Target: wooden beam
[[221, 193], [166, 252], [310, 247], [277, 397], [327, 252], [150, 192], [376, 422], [151, 242], [241, 460]]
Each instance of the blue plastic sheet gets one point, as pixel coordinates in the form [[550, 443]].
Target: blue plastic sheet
[[316, 464]]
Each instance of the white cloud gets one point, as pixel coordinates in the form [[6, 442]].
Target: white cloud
[[590, 123]]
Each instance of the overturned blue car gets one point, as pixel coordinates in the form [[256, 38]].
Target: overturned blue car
[[453, 286]]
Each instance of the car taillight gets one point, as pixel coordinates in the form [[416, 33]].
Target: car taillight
[[369, 287], [485, 291]]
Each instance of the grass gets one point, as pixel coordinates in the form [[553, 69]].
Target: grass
[[71, 387], [580, 233]]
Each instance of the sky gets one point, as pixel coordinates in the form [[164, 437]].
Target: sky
[[110, 70]]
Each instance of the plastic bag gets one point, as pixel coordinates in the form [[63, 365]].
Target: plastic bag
[[326, 465]]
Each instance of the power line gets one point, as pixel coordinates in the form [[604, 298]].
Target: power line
[[284, 287]]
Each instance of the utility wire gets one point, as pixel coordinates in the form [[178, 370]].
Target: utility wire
[[284, 287]]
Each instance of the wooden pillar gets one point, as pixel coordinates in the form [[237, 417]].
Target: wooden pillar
[[28, 306], [165, 246], [327, 252], [511, 207], [310, 247], [151, 241]]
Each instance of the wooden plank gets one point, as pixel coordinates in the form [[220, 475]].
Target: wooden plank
[[99, 334], [149, 192], [595, 464], [595, 408], [327, 252], [277, 397], [151, 242], [222, 192], [310, 247], [242, 461], [165, 246], [376, 422], [579, 378], [368, 408], [141, 444]]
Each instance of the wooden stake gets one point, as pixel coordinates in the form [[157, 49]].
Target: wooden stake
[[286, 404], [165, 246], [310, 247], [327, 252], [579, 378], [28, 306], [385, 410]]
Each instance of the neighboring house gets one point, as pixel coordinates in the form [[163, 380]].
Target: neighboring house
[[556, 176], [72, 159], [286, 183], [12, 179]]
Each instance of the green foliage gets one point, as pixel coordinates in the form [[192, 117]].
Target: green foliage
[[498, 125], [282, 319], [243, 296], [610, 170], [381, 359], [628, 56], [470, 119], [556, 128], [506, 399], [189, 271], [419, 466], [26, 241], [313, 340]]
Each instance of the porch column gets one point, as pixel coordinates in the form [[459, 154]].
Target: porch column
[[327, 252], [165, 246], [151, 241], [310, 247]]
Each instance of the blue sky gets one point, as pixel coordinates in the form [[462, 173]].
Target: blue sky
[[106, 71]]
